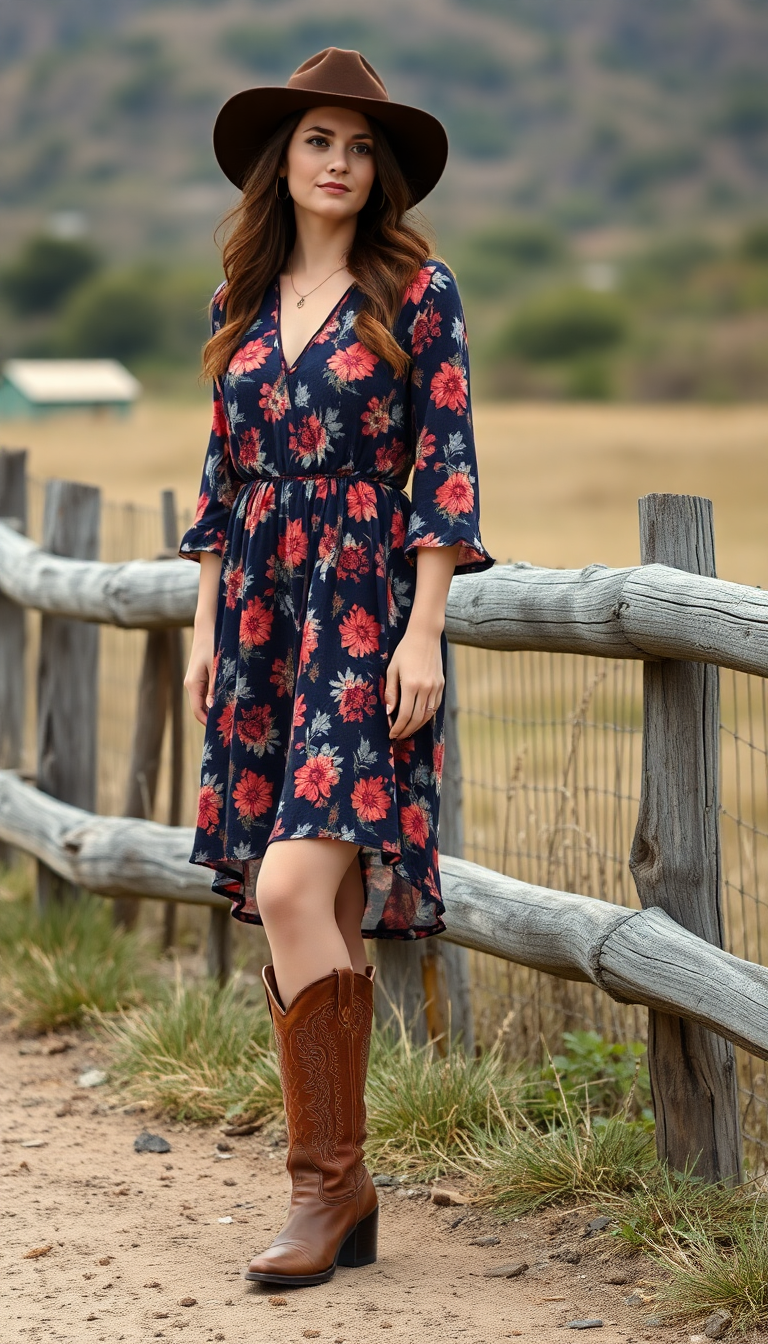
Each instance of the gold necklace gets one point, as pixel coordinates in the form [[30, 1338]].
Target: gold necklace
[[302, 297]]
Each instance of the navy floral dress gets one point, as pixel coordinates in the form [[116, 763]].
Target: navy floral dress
[[303, 498]]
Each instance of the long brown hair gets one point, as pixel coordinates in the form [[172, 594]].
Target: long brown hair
[[386, 254]]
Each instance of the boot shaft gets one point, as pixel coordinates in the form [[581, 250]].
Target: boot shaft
[[323, 1042]]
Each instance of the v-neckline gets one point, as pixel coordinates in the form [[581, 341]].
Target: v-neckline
[[292, 367]]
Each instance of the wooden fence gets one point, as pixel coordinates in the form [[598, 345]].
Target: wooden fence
[[671, 612]]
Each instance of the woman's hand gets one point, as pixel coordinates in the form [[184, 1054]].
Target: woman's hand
[[415, 676], [199, 678]]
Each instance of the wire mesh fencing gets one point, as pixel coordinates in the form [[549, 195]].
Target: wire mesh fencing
[[551, 748]]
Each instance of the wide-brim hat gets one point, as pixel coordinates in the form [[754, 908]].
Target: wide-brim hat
[[339, 77]]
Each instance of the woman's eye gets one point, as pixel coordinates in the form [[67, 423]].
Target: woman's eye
[[317, 140], [365, 149]]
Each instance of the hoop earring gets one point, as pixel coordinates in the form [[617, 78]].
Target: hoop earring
[[280, 178]]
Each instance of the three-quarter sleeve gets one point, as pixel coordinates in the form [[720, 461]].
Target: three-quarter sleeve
[[220, 483], [445, 500]]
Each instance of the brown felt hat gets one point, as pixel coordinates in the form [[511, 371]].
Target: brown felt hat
[[332, 77]]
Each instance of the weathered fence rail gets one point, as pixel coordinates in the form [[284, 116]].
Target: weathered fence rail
[[668, 956], [635, 956], [643, 611]]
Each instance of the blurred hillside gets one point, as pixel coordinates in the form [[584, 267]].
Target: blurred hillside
[[604, 205], [593, 113]]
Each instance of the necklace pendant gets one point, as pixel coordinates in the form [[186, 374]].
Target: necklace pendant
[[300, 304]]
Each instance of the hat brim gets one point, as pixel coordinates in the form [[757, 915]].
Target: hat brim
[[246, 120]]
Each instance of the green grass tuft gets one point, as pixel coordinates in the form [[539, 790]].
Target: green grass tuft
[[705, 1275], [423, 1109], [199, 1053], [58, 966]]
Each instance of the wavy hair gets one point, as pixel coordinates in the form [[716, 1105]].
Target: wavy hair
[[387, 252]]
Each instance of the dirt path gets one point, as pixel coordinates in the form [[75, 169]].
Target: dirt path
[[132, 1235]]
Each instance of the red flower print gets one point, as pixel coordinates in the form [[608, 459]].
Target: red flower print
[[356, 361], [426, 328], [403, 749], [252, 794], [328, 542], [299, 711], [308, 638], [255, 729], [327, 332], [397, 530], [425, 447], [233, 581], [202, 505], [292, 545], [359, 632], [255, 624], [414, 824], [370, 800], [456, 495], [315, 780], [309, 441], [208, 808], [390, 457], [274, 400], [219, 427], [353, 560], [224, 726], [361, 501], [355, 695], [260, 503], [417, 288], [438, 753], [449, 387], [379, 560], [251, 356], [249, 447], [282, 675], [376, 418]]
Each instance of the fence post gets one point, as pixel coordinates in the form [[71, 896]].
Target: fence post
[[675, 857], [13, 507], [67, 680], [425, 976], [176, 703]]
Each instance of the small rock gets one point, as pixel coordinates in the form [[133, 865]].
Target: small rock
[[569, 1256], [223, 1157], [106, 1259], [653, 1320], [58, 1045], [597, 1225], [64, 1109], [223, 1146], [384, 1180], [447, 1199], [717, 1324], [590, 1323], [486, 1241], [92, 1317], [278, 1301], [160, 1315], [638, 1298], [153, 1283], [385, 1325], [617, 1278], [92, 1078], [226, 1220], [33, 1143], [506, 1271], [187, 1301], [310, 1334], [36, 1252], [457, 1222], [229, 1180], [150, 1143]]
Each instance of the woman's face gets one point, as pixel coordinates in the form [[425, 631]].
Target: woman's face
[[330, 162]]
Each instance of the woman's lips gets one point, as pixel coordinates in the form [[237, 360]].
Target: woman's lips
[[333, 188]]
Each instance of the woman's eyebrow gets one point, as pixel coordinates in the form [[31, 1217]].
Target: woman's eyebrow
[[359, 135]]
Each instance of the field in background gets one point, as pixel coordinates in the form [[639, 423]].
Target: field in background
[[559, 484]]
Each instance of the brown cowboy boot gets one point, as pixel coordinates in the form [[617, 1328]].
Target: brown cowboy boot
[[322, 1044]]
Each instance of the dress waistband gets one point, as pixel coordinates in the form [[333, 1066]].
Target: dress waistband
[[322, 476]]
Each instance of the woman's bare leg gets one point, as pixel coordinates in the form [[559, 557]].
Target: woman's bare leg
[[350, 903], [296, 892]]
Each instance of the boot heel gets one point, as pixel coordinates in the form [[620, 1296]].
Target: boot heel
[[359, 1248]]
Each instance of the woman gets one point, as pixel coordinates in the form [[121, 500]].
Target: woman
[[338, 359]]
